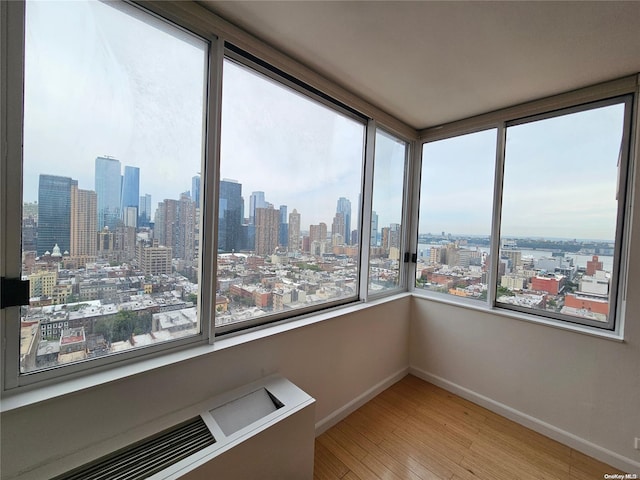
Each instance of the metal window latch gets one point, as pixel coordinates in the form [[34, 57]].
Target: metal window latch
[[13, 292], [410, 257]]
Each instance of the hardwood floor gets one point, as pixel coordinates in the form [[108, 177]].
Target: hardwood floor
[[415, 430]]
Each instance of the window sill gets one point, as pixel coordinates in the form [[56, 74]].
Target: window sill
[[29, 395], [616, 336]]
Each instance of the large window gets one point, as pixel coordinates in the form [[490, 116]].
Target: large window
[[563, 190], [133, 142], [386, 248], [289, 201], [113, 108], [456, 202], [556, 213]]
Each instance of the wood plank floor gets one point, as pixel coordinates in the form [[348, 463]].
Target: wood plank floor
[[415, 430]]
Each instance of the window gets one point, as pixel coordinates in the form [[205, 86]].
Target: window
[[114, 103], [289, 201], [556, 218], [456, 203], [563, 191], [128, 184], [386, 248]]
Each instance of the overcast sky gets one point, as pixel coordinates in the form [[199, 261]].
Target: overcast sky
[[560, 179], [99, 82]]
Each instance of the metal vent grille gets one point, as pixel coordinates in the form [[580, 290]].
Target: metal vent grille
[[143, 459]]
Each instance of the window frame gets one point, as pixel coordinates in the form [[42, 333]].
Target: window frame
[[405, 217], [621, 91], [12, 106], [252, 63]]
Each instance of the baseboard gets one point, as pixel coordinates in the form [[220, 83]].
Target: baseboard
[[337, 415], [607, 456]]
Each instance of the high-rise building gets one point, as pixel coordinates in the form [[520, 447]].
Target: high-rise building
[[337, 227], [175, 226], [144, 211], [394, 235], [374, 228], [230, 216], [108, 185], [130, 191], [283, 234], [267, 222], [344, 207], [317, 238], [184, 247], [294, 231], [195, 189], [84, 223], [155, 259], [256, 200], [165, 223], [54, 213]]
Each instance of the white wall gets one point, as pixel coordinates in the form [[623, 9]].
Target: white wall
[[335, 361], [586, 388]]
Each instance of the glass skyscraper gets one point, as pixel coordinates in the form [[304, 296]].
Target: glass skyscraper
[[108, 188], [195, 189], [230, 216], [54, 213], [130, 188]]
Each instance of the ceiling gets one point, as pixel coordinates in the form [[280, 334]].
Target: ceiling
[[428, 63]]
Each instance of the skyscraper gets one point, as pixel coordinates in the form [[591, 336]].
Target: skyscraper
[[130, 190], [108, 187], [267, 220], [337, 229], [294, 231], [144, 212], [374, 228], [344, 207], [317, 237], [54, 213], [195, 189], [84, 223], [230, 216], [166, 220], [283, 234], [256, 200]]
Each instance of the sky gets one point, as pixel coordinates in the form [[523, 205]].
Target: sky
[[99, 82], [560, 179]]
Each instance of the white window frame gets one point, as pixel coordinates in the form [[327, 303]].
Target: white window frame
[[624, 90], [405, 218]]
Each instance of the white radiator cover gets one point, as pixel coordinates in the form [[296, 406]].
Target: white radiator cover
[[262, 441]]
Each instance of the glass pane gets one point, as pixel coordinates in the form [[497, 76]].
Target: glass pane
[[559, 213], [386, 216], [456, 202], [291, 172], [114, 108]]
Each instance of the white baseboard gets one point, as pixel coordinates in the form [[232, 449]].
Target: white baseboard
[[616, 460], [337, 415]]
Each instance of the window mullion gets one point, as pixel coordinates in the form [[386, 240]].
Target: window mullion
[[12, 54], [492, 280], [365, 208], [414, 173], [407, 242], [211, 169]]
